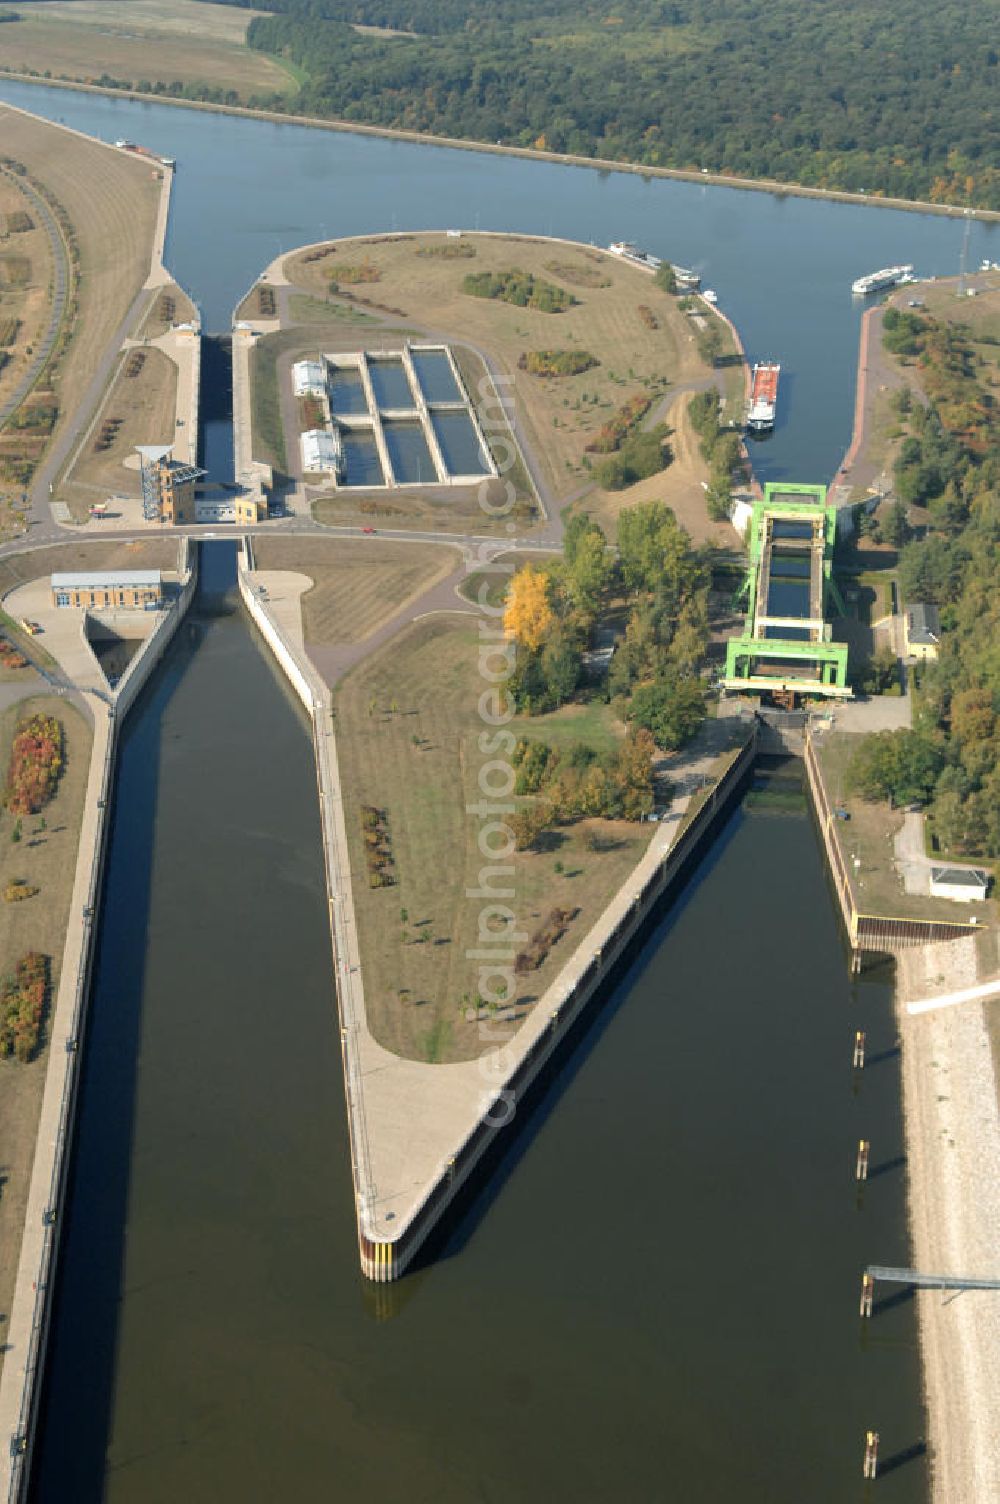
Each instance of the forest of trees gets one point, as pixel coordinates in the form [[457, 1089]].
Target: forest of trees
[[659, 581], [896, 99], [949, 462]]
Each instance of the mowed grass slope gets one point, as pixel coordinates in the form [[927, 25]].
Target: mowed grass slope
[[47, 860], [408, 727], [356, 585], [112, 201], [164, 41], [145, 405], [561, 415], [25, 280]]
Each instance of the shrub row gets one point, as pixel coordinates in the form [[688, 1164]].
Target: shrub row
[[10, 657], [22, 1006], [451, 250], [523, 289], [618, 427], [544, 938], [378, 847], [557, 362], [353, 273], [36, 761]]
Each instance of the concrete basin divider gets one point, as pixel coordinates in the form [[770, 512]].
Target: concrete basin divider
[[425, 418], [376, 417], [418, 1130], [20, 1381]]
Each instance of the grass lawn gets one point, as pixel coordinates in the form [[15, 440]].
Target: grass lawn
[[489, 586], [306, 309], [358, 584], [559, 416], [161, 41], [111, 200], [265, 400], [145, 407], [408, 731], [167, 306], [868, 837], [883, 435], [47, 860]]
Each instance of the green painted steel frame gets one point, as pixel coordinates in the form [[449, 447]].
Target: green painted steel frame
[[780, 500]]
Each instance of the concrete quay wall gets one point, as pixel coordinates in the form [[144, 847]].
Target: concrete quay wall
[[383, 1262], [382, 1258], [27, 1332], [315, 696], [879, 933]]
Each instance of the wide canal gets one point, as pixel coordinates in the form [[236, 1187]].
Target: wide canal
[[656, 1297], [245, 190]]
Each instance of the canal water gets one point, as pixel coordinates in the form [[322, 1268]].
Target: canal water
[[655, 1296], [246, 190]]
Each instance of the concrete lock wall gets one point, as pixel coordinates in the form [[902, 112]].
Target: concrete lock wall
[[383, 1260], [315, 696], [868, 932], [27, 1330]]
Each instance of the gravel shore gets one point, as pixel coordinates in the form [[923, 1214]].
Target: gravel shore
[[953, 1154]]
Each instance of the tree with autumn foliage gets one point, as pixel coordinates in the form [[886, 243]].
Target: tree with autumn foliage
[[36, 761], [528, 616]]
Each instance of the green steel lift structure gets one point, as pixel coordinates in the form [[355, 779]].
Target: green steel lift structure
[[790, 653]]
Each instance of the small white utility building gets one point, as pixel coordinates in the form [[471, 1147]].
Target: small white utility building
[[309, 378], [963, 884], [321, 452]]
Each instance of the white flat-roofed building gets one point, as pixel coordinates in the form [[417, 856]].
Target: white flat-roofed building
[[961, 884], [109, 589], [322, 452], [309, 378]]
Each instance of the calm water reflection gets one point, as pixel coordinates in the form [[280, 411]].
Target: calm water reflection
[[247, 189], [660, 1304]]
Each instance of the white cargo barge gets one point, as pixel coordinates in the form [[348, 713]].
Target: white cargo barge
[[687, 280], [889, 276]]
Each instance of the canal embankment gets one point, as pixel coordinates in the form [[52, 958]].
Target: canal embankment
[[27, 1328], [601, 164], [952, 1133], [952, 1129], [418, 1131]]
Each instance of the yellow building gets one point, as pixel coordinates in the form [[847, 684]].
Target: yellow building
[[167, 485], [109, 590], [922, 631]]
